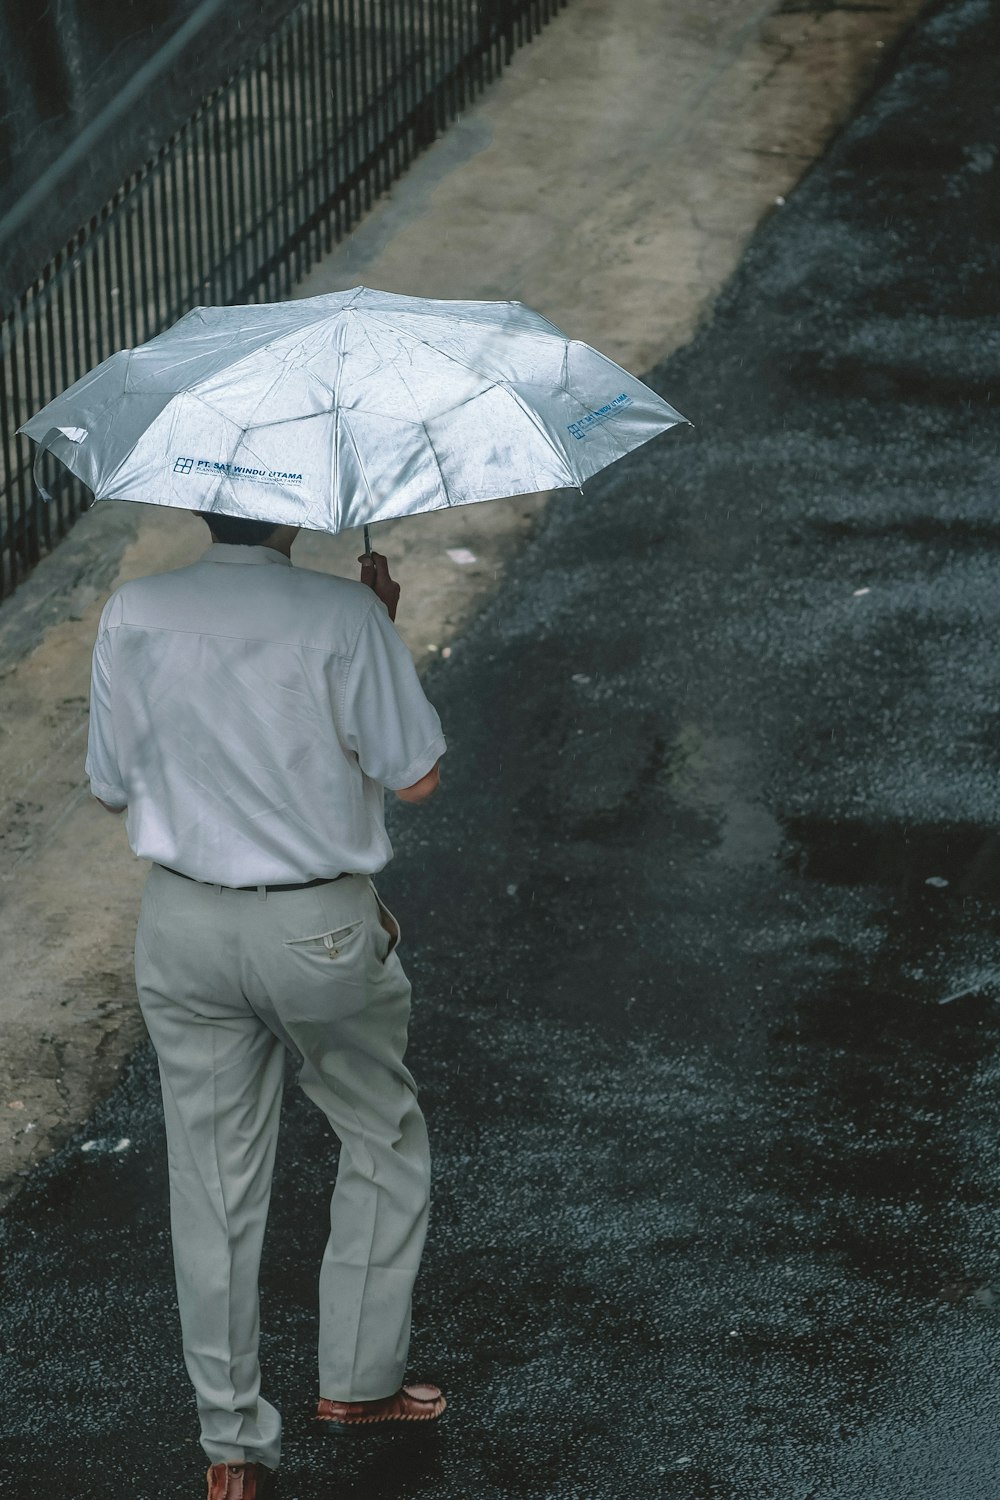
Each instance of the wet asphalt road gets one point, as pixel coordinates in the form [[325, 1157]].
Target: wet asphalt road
[[703, 931]]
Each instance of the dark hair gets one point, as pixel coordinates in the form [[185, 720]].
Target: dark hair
[[236, 530]]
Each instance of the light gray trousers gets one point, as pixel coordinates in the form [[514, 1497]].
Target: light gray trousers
[[228, 980]]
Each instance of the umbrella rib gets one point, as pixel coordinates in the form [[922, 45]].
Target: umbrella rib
[[453, 359], [540, 429], [608, 429], [341, 419], [110, 478], [492, 384], [430, 444], [296, 326], [437, 462], [341, 339]]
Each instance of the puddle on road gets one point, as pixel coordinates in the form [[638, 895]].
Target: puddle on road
[[955, 533], [881, 1142], [885, 1141], [907, 857], [845, 376], [935, 888]]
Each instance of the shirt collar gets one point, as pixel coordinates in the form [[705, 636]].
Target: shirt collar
[[227, 552]]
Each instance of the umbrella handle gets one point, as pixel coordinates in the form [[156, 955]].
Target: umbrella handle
[[368, 542]]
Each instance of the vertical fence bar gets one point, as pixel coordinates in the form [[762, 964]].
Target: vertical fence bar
[[34, 384], [496, 19], [168, 243], [147, 270], [444, 63], [462, 52], [291, 78], [403, 66], [244, 134], [412, 90], [327, 175], [51, 376], [223, 205], [130, 289], [184, 209], [293, 157], [457, 63], [304, 111], [71, 309], [262, 179], [362, 105], [318, 43], [286, 171], [381, 86], [390, 84], [285, 175], [353, 104], [283, 185], [146, 227], [61, 319], [27, 513], [9, 571], [434, 66], [31, 382], [370, 103], [482, 42], [226, 231], [313, 185], [339, 115], [212, 257], [197, 206], [86, 329], [237, 135], [256, 156], [307, 99], [326, 172], [289, 140], [272, 215], [195, 182]]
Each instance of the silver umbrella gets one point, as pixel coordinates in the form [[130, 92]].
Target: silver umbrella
[[338, 411]]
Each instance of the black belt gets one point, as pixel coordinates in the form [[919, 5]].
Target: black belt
[[299, 885]]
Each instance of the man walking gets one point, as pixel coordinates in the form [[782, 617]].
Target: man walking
[[248, 714]]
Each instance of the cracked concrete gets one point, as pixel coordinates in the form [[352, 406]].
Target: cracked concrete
[[611, 179]]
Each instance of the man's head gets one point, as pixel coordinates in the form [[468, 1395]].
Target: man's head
[[235, 531]]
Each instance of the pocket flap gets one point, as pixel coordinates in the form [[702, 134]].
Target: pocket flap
[[329, 939]]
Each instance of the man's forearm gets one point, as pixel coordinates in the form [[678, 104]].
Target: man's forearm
[[422, 789]]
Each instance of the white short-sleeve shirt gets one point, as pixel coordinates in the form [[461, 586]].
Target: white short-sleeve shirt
[[249, 714]]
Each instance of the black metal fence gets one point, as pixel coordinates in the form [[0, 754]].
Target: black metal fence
[[269, 171]]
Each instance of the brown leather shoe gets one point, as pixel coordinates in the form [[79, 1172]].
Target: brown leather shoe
[[411, 1403], [241, 1482]]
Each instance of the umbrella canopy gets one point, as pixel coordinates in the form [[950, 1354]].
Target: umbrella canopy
[[337, 411]]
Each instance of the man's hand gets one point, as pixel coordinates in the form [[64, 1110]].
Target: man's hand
[[375, 575]]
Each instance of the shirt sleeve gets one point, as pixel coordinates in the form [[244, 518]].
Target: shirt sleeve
[[385, 718], [102, 762]]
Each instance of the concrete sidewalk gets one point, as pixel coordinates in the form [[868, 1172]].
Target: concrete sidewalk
[[610, 179]]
